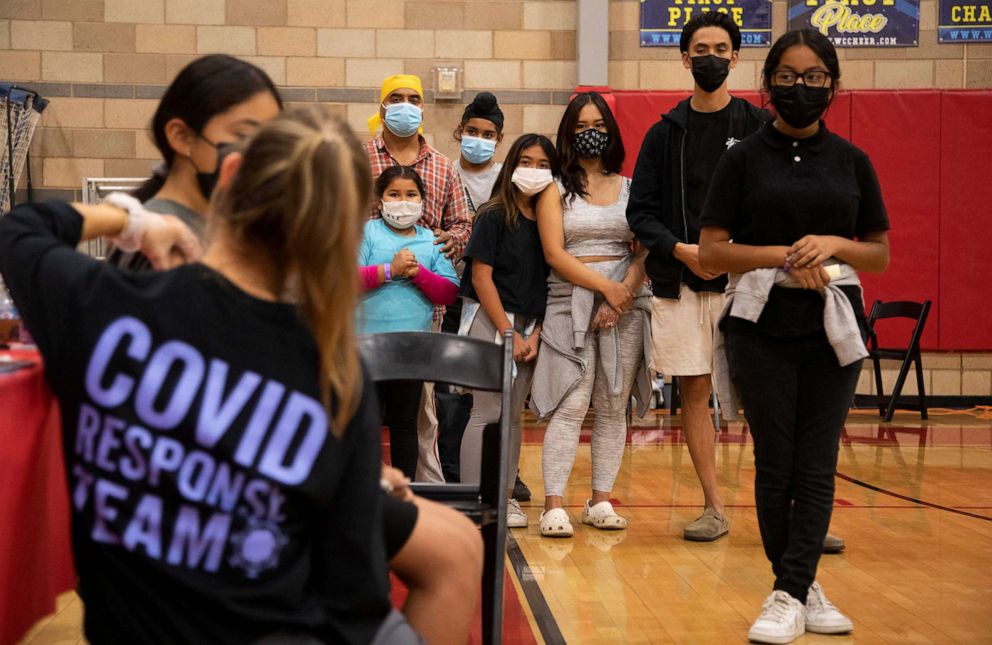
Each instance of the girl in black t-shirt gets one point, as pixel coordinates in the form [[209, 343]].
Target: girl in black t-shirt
[[796, 198], [504, 287]]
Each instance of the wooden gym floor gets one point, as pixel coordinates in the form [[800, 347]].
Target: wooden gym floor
[[913, 502]]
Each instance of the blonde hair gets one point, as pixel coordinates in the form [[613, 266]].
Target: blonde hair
[[301, 196]]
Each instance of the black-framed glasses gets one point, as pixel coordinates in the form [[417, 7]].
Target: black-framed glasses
[[812, 78]]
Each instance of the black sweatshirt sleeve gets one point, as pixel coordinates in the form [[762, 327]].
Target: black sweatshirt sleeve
[[43, 270], [646, 204]]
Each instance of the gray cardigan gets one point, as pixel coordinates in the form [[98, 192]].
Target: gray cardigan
[[747, 294], [562, 361]]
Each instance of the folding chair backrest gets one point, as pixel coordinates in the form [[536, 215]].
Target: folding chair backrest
[[438, 358], [916, 311]]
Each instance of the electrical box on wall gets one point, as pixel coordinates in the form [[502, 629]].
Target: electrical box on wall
[[447, 82]]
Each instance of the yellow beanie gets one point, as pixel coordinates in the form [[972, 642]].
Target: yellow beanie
[[390, 85]]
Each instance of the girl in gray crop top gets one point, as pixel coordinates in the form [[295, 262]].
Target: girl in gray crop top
[[597, 318]]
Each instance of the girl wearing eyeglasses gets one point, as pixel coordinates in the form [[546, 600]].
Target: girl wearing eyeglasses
[[803, 210]]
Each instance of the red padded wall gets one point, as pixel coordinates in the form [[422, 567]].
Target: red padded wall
[[907, 161], [931, 150], [965, 220]]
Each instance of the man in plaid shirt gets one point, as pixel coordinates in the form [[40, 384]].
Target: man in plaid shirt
[[446, 212], [446, 209]]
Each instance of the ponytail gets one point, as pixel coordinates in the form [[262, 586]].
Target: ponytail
[[301, 196]]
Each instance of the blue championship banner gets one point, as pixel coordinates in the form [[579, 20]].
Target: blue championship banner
[[860, 23], [965, 21], [662, 20]]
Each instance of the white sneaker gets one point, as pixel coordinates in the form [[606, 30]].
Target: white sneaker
[[782, 620], [821, 615], [515, 516]]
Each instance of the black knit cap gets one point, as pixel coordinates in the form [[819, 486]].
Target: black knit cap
[[484, 106]]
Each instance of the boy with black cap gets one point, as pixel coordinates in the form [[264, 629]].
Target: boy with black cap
[[479, 132]]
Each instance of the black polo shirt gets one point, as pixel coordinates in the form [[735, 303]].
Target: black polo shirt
[[771, 189]]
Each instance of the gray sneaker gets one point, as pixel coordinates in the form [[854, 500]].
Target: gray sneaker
[[833, 543], [515, 516], [709, 526]]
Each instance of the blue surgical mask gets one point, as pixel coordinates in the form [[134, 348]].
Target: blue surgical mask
[[403, 119], [476, 150]]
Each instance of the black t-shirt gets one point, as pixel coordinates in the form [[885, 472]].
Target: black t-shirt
[[210, 501], [515, 254], [705, 142], [772, 190]]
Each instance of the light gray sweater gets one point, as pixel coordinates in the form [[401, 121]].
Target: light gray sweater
[[562, 360], [747, 294]]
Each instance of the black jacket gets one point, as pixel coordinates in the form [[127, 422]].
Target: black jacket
[[655, 211]]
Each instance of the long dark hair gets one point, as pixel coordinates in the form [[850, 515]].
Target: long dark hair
[[573, 176], [398, 172], [505, 192], [206, 87], [813, 39]]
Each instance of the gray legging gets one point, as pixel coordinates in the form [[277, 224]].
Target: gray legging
[[609, 430], [486, 408]]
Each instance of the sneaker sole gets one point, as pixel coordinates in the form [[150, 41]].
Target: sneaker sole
[[777, 640], [832, 550], [517, 525], [840, 629], [705, 538]]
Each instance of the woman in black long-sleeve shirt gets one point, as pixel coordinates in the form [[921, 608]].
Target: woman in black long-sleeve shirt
[[793, 196], [221, 445]]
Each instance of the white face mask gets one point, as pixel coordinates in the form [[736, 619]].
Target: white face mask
[[531, 181], [402, 215]]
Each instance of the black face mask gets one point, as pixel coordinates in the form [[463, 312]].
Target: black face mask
[[591, 143], [710, 71], [798, 105], [207, 181]]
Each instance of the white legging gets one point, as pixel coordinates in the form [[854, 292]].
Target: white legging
[[609, 430]]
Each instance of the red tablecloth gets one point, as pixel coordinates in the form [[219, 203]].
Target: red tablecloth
[[35, 551]]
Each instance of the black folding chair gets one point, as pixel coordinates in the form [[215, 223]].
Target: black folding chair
[[899, 309], [480, 365]]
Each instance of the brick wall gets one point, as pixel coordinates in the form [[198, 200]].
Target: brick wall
[[103, 63]]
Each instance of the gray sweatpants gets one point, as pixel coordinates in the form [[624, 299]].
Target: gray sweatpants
[[609, 430], [486, 408]]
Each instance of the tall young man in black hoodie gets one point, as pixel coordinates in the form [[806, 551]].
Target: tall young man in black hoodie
[[671, 178], [677, 158]]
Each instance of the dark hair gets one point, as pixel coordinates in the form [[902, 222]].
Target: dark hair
[[398, 172], [573, 176], [483, 106], [504, 195], [710, 19], [206, 87], [811, 38]]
